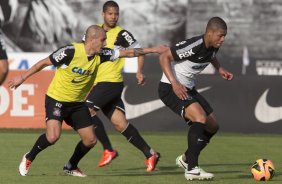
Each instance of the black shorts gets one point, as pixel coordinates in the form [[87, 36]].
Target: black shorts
[[75, 114], [106, 96], [177, 105]]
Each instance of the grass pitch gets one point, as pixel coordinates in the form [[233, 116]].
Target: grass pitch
[[229, 157]]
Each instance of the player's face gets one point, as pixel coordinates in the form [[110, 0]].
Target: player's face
[[217, 38], [100, 42], [111, 16]]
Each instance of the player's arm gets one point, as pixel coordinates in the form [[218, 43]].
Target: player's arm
[[165, 61], [135, 52], [61, 56], [222, 72], [139, 73], [17, 81]]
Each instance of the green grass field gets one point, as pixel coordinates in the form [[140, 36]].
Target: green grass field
[[229, 157]]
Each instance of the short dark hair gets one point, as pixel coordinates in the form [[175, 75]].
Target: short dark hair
[[216, 23], [109, 4]]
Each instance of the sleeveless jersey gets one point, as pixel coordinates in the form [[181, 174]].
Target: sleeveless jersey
[[117, 38], [76, 71]]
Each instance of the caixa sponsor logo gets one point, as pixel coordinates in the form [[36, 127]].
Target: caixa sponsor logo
[[199, 67], [82, 71], [186, 54]]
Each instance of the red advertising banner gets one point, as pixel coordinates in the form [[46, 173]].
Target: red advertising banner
[[25, 106]]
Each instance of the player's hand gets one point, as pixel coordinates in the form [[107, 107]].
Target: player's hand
[[141, 79], [225, 74], [180, 90], [16, 82]]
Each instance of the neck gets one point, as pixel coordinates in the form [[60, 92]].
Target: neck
[[206, 41], [106, 27]]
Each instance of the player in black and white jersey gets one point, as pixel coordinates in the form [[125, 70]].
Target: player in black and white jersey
[[181, 64]]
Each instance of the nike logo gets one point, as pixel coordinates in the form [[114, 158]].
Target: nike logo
[[74, 81], [265, 113], [200, 140], [146, 107], [88, 101]]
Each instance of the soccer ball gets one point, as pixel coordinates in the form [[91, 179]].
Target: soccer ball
[[263, 170]]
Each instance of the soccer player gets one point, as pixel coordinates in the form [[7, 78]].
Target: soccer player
[[76, 70], [4, 65], [109, 81], [181, 64]]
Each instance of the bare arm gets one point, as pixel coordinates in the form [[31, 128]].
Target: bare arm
[[17, 81], [135, 52], [165, 62], [139, 74], [222, 72]]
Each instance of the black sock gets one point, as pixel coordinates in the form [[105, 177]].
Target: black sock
[[208, 136], [133, 136], [196, 142], [39, 145], [101, 133], [78, 154]]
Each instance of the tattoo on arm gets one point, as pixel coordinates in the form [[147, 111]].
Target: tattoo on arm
[[138, 51]]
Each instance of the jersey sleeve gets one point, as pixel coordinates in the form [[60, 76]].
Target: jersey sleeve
[[126, 40], [63, 55], [178, 50], [186, 49], [108, 54]]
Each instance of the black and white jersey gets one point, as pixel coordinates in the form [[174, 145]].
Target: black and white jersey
[[190, 58], [65, 54]]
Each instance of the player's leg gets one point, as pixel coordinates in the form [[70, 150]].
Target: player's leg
[[190, 110], [4, 69], [196, 115], [96, 101], [211, 127], [80, 120], [87, 142], [53, 132], [109, 153], [133, 136]]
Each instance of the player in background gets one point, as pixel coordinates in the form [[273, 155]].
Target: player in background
[[181, 64], [65, 99], [109, 81], [8, 10]]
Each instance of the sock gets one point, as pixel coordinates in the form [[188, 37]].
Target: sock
[[101, 133], [196, 143], [133, 136], [208, 136], [39, 145], [80, 151]]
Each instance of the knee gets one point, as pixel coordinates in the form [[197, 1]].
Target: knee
[[90, 142], [200, 119], [215, 128], [52, 139]]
